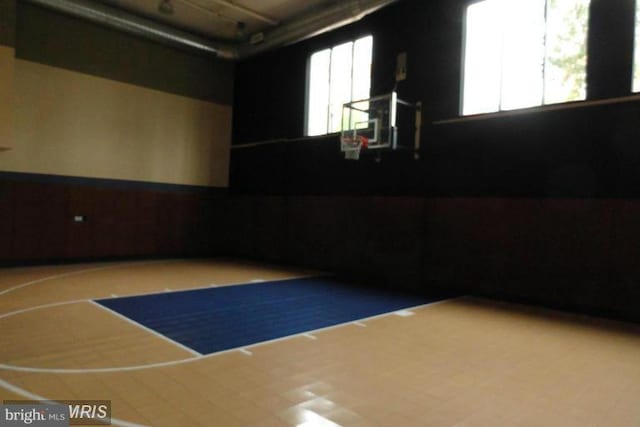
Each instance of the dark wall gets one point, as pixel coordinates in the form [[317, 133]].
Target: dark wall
[[589, 152], [579, 152], [123, 219], [575, 254], [611, 43], [62, 41], [539, 207], [270, 88], [7, 22]]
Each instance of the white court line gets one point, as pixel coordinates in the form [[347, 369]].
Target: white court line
[[197, 288], [201, 288], [32, 396], [206, 356], [114, 421], [40, 307], [15, 368], [77, 272], [151, 331], [404, 313]]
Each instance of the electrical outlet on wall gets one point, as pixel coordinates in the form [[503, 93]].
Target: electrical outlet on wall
[[79, 218]]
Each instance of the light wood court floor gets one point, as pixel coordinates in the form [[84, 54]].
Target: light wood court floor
[[462, 362]]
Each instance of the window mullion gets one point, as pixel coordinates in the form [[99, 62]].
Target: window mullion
[[330, 92], [353, 59], [544, 53], [501, 86]]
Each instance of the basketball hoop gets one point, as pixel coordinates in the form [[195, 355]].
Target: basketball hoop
[[379, 124], [353, 145]]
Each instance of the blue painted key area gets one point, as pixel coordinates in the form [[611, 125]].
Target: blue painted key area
[[215, 319]]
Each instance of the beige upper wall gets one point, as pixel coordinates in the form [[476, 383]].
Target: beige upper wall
[[6, 97], [68, 123]]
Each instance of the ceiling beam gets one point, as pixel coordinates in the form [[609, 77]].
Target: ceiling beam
[[123, 21], [247, 11], [307, 25], [203, 9]]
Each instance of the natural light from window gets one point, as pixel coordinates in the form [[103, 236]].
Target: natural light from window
[[336, 76], [636, 53], [524, 53]]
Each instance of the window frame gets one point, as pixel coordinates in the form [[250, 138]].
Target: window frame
[[509, 111], [330, 48], [635, 66], [463, 58]]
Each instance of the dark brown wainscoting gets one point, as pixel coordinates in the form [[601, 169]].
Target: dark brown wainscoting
[[577, 254], [122, 219]]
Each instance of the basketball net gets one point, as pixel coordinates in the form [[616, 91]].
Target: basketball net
[[352, 146]]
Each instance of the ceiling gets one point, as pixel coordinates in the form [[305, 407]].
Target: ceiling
[[231, 30], [218, 19]]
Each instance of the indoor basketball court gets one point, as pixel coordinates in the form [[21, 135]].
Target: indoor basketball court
[[316, 213], [415, 361]]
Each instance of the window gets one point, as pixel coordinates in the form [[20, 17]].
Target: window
[[636, 54], [336, 76], [524, 53]]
